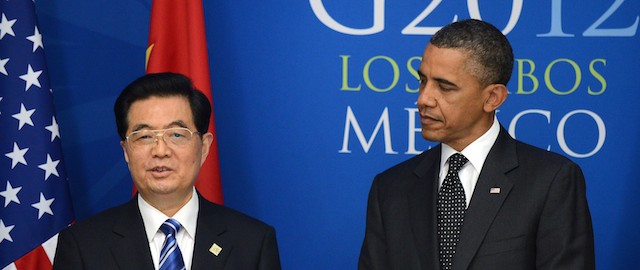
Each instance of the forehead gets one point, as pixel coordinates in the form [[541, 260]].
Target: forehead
[[160, 112], [453, 64], [436, 59]]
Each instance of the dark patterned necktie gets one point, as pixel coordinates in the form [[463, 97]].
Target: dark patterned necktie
[[451, 207], [170, 255]]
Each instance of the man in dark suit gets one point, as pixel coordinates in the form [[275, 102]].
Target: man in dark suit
[[163, 121], [497, 203]]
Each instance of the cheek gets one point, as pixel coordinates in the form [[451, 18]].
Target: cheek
[[136, 162], [456, 114], [189, 160], [196, 160]]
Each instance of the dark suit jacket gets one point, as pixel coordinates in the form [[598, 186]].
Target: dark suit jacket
[[116, 239], [539, 220]]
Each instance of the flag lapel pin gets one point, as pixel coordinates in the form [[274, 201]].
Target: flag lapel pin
[[215, 249], [494, 190]]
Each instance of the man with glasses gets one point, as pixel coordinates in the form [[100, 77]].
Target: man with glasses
[[163, 121]]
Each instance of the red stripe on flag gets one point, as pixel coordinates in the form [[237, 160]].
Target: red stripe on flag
[[37, 259], [178, 43]]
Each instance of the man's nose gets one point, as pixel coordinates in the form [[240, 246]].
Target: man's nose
[[161, 148], [426, 96]]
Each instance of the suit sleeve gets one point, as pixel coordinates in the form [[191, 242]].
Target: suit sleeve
[[68, 255], [373, 255], [269, 257], [565, 234]]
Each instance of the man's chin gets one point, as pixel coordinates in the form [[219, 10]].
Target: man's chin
[[430, 136]]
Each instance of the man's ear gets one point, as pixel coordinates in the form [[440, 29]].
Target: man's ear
[[496, 95], [124, 150], [207, 140]]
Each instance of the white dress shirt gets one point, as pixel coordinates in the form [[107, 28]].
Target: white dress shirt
[[476, 153], [153, 219]]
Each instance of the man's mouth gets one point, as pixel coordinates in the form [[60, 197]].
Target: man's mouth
[[425, 120], [160, 169]]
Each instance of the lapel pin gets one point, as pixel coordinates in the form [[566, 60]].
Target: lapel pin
[[215, 249], [494, 190]]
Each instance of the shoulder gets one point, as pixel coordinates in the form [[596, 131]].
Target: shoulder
[[405, 175], [406, 167], [508, 153], [543, 169], [237, 220], [529, 155], [415, 165], [104, 221], [97, 232]]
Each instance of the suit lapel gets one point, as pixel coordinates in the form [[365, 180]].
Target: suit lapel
[[422, 209], [210, 231], [485, 204], [130, 249]]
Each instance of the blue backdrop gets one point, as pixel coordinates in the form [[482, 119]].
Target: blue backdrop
[[313, 98]]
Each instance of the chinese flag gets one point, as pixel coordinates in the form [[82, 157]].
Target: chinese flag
[[177, 43]]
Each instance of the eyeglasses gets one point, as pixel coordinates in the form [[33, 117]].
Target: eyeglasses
[[175, 136]]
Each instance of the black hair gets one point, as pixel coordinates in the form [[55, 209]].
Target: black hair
[[489, 50], [162, 85]]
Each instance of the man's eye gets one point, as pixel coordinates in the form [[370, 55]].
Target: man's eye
[[176, 135], [445, 87]]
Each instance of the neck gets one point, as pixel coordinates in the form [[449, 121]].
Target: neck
[[168, 204], [481, 129]]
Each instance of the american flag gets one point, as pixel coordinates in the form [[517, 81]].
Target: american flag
[[34, 193]]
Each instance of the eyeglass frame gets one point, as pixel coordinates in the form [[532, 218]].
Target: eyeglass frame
[[158, 133]]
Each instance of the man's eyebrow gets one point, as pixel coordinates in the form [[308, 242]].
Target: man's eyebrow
[[445, 81], [140, 126], [178, 123]]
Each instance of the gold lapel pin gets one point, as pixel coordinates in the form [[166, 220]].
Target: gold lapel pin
[[494, 190], [215, 249]]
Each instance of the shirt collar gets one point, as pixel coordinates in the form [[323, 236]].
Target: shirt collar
[[477, 151], [153, 218]]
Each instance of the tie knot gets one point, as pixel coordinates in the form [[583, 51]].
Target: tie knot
[[456, 161], [170, 227]]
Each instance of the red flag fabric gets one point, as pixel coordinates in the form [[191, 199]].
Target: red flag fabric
[[177, 43]]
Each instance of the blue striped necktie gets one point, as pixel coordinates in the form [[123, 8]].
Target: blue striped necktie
[[170, 255]]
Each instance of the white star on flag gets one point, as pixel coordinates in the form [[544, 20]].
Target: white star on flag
[[17, 156], [3, 66], [27, 239], [4, 232], [55, 131], [10, 194], [24, 116], [31, 78], [36, 39], [43, 206], [6, 26], [49, 167]]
